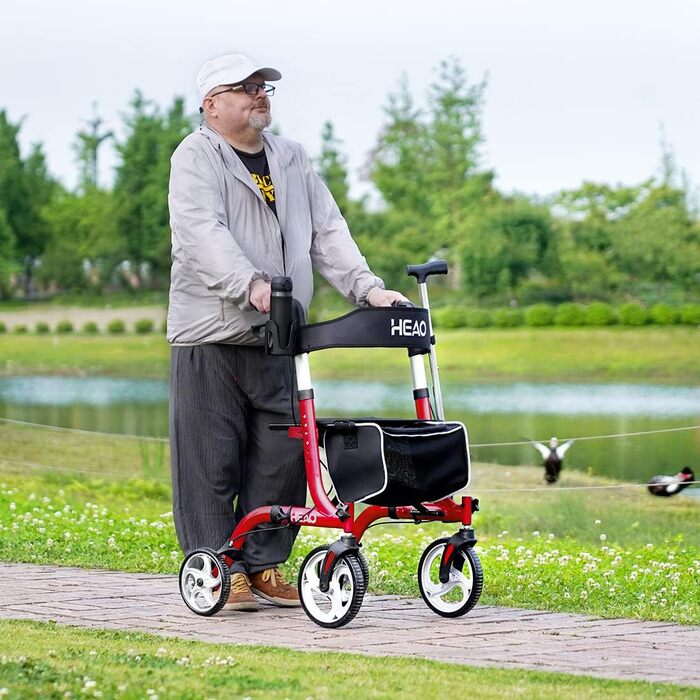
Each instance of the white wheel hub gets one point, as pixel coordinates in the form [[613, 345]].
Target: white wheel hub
[[445, 597], [327, 606], [200, 581]]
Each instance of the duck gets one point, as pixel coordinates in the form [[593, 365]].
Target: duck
[[553, 457], [665, 486]]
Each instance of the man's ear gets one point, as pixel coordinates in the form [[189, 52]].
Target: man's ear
[[207, 107]]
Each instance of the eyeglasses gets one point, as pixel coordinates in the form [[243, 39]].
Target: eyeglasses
[[249, 89]]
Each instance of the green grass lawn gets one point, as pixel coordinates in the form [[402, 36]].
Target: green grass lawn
[[620, 354], [51, 661], [609, 552]]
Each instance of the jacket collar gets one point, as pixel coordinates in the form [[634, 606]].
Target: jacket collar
[[275, 146], [279, 154]]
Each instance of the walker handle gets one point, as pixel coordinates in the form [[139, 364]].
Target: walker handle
[[422, 272]]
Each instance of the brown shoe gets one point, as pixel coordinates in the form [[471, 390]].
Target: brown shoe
[[270, 584], [240, 597]]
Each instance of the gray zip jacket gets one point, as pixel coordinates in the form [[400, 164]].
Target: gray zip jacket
[[224, 236]]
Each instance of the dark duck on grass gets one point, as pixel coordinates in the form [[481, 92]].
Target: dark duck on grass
[[553, 457], [663, 485]]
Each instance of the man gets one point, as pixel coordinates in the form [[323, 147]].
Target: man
[[245, 206]]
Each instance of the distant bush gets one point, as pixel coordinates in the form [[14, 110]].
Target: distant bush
[[164, 327], [64, 327], [507, 318], [41, 328], [21, 329], [599, 314], [690, 314], [116, 327], [478, 318], [539, 315], [664, 315], [90, 328], [633, 315], [570, 314], [144, 325], [3, 327], [450, 317]]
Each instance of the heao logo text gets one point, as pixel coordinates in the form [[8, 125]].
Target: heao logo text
[[306, 518], [407, 327]]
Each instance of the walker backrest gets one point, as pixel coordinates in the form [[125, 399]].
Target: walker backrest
[[382, 327]]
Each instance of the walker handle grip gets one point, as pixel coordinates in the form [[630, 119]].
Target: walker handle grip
[[422, 272]]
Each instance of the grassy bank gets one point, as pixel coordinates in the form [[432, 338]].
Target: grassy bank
[[49, 661], [619, 354], [606, 551]]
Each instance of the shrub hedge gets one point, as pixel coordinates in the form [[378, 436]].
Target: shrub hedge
[[539, 315], [600, 314], [567, 314], [508, 318], [478, 318], [690, 314], [633, 314], [664, 315]]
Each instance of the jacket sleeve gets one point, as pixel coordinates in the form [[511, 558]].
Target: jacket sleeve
[[333, 251], [199, 228]]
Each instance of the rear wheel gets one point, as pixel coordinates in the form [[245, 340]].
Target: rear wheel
[[341, 602], [461, 592]]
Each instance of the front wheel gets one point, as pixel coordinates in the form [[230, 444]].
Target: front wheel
[[205, 582], [461, 592], [341, 602]]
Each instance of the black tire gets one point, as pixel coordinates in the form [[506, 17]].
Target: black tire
[[348, 587], [365, 567], [192, 587], [428, 581]]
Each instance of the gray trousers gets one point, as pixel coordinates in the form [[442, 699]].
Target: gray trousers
[[222, 400]]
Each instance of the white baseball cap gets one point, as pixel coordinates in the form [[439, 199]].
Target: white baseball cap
[[230, 69]]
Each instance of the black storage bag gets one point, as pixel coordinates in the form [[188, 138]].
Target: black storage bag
[[392, 464]]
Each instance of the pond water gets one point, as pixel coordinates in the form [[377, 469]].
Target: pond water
[[492, 412]]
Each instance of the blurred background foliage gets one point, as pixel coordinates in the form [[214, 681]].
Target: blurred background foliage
[[623, 244]]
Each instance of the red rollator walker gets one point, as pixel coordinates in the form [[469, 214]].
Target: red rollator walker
[[379, 468]]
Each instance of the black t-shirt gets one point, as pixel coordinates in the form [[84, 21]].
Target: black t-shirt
[[259, 170]]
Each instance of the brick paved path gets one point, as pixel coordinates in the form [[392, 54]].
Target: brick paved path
[[386, 626]]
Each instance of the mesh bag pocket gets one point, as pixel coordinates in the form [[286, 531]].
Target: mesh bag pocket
[[395, 464]]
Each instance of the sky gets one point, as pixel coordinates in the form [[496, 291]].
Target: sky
[[575, 91]]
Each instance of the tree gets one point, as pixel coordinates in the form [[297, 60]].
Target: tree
[[84, 244], [427, 166], [397, 161], [506, 243], [332, 167], [658, 241], [7, 254], [141, 188], [25, 189], [87, 146]]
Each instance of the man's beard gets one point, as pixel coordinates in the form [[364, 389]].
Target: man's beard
[[260, 120]]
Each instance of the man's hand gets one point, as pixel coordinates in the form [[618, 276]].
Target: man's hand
[[260, 295], [384, 297]]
